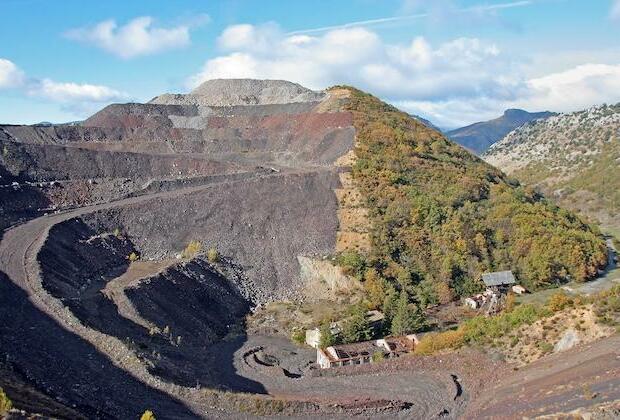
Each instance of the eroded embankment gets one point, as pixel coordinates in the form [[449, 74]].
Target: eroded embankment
[[191, 305], [288, 135], [261, 224], [62, 365]]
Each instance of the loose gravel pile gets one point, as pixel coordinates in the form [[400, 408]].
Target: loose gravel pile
[[231, 92]]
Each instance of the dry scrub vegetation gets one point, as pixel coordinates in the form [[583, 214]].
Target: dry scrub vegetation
[[527, 332], [191, 250], [5, 403], [293, 318]]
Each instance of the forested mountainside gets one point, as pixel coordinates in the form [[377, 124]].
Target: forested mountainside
[[441, 216]]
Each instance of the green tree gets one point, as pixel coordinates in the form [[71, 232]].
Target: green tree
[[327, 336], [356, 327], [407, 318], [375, 287], [389, 303], [352, 263]]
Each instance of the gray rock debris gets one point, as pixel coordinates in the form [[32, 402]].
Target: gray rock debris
[[234, 92]]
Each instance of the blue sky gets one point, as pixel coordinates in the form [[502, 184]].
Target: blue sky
[[454, 62]]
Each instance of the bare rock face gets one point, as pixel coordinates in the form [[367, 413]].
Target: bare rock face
[[234, 92], [569, 340]]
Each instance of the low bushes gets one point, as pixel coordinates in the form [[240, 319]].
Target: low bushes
[[298, 336], [480, 330], [213, 256], [484, 330], [559, 301], [191, 250], [435, 342], [5, 403], [607, 307], [147, 415]]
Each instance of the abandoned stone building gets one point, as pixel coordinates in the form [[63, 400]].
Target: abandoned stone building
[[499, 281], [365, 351], [498, 284]]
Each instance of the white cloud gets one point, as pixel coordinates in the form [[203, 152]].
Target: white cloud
[[357, 56], [454, 83], [266, 52], [80, 99], [10, 75], [248, 37], [576, 88], [615, 9], [74, 92], [138, 37]]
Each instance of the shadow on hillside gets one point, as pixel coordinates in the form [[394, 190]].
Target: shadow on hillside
[[192, 306], [71, 370]]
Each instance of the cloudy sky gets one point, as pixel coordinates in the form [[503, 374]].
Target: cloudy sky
[[451, 61]]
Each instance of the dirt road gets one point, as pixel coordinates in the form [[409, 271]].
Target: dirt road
[[19, 248], [584, 376]]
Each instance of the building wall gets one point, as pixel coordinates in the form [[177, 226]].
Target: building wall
[[313, 338], [322, 359]]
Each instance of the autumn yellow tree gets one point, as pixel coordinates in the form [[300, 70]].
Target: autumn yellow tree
[[148, 415]]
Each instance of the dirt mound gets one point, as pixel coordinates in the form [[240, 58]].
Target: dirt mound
[[230, 92], [584, 376]]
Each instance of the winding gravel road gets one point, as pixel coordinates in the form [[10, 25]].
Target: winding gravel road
[[19, 248], [428, 394]]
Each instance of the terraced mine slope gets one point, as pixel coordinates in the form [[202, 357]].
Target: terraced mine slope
[[571, 157], [137, 242]]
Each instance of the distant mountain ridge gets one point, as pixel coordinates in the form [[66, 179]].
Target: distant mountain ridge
[[572, 157], [479, 136]]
